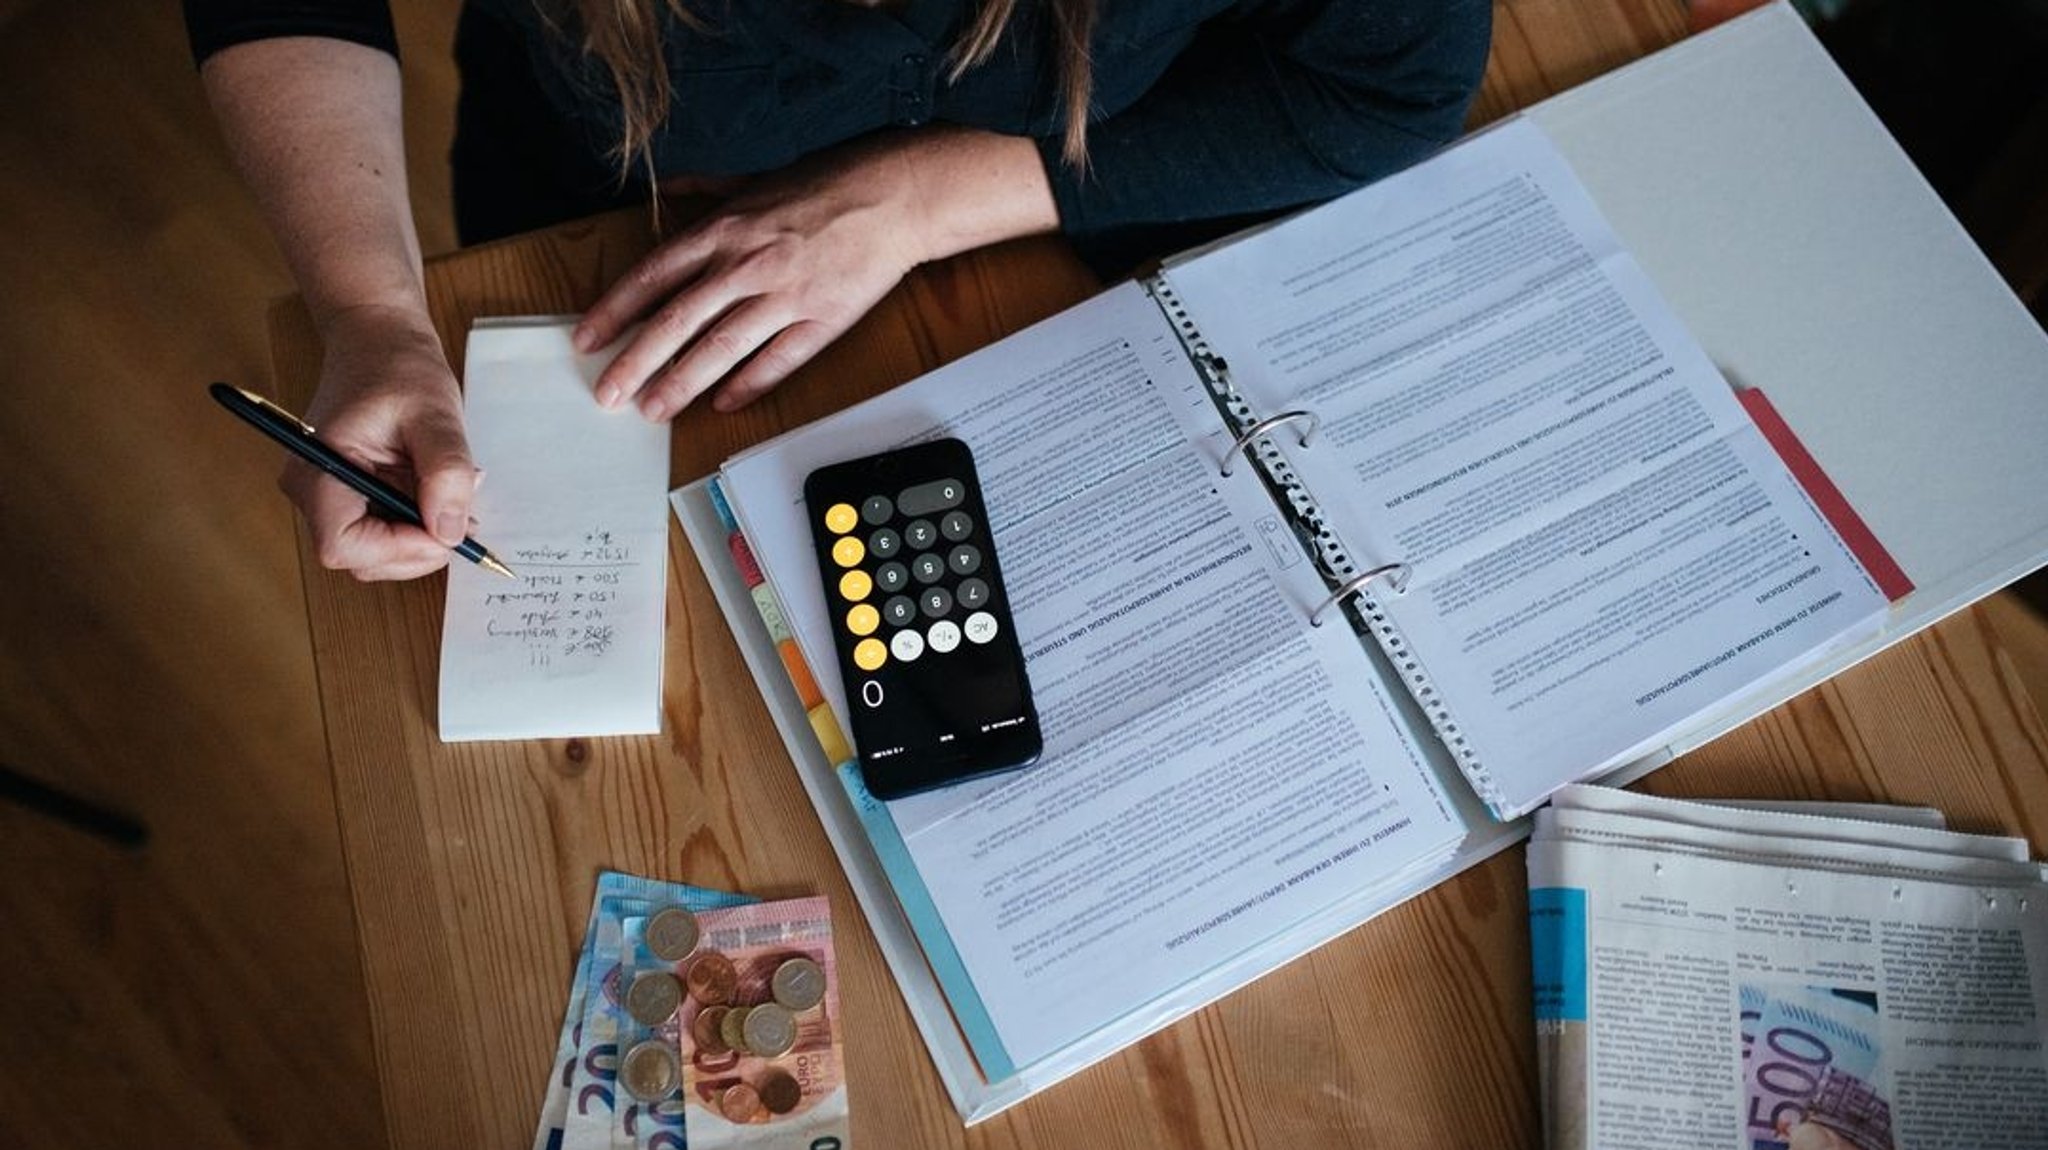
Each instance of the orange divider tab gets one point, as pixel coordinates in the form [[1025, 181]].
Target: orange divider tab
[[800, 675]]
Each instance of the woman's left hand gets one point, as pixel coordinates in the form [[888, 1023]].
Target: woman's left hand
[[753, 291]]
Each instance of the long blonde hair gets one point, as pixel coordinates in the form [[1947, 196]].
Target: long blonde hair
[[625, 36]]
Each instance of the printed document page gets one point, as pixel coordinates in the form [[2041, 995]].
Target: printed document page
[[1215, 769], [575, 503], [1601, 545]]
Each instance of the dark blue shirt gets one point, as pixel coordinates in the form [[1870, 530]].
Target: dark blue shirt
[[1206, 113]]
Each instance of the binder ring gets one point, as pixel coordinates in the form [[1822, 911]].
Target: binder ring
[[1395, 573], [1267, 424]]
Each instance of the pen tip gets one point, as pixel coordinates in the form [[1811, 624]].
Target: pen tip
[[491, 563]]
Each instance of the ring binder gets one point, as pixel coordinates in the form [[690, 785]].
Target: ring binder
[[1267, 424], [1395, 573]]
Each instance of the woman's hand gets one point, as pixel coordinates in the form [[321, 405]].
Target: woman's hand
[[387, 401], [753, 291]]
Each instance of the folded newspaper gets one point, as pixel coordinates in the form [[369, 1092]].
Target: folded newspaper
[[1785, 977]]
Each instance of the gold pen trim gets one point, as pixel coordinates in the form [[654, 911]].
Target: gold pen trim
[[272, 408]]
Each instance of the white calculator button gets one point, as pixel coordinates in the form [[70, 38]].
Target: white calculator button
[[906, 645], [945, 635], [981, 627]]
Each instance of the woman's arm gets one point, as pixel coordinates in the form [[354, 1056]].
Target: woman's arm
[[753, 292], [315, 127]]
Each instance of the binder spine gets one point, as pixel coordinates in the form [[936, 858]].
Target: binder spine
[[1366, 608]]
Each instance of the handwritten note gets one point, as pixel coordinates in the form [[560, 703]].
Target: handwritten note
[[574, 501]]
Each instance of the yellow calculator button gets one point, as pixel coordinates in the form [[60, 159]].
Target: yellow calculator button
[[848, 551], [855, 585], [863, 619], [870, 655], [841, 517]]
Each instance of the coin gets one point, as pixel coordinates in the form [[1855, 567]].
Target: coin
[[711, 978], [672, 933], [780, 1093], [769, 1030], [730, 1027], [704, 1028], [653, 997], [740, 1103], [799, 984], [650, 1071]]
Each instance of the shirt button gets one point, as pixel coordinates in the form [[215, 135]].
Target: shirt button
[[913, 60]]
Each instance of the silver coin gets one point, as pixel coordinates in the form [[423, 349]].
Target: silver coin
[[650, 1071], [672, 933], [769, 1030], [653, 997], [799, 984]]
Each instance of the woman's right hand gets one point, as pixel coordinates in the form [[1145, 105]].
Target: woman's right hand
[[388, 401]]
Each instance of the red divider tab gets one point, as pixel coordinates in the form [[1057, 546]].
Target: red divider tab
[[1834, 506]]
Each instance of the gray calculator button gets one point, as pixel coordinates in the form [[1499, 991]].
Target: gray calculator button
[[957, 525], [920, 534], [884, 544], [928, 567], [892, 576], [944, 636], [964, 560], [980, 627], [900, 610], [926, 498], [877, 509], [973, 593], [935, 602], [906, 646]]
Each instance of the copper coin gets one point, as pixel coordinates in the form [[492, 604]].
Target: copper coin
[[740, 1103], [672, 933], [731, 1028], [704, 1028], [650, 1071], [769, 1030], [799, 984], [653, 997], [712, 979], [780, 1093]]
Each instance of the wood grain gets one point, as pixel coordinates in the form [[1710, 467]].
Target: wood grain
[[471, 866]]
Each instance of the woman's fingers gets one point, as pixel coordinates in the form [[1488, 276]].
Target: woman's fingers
[[723, 346], [777, 359], [346, 537], [654, 279]]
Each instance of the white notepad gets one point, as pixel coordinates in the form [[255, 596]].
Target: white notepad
[[575, 503]]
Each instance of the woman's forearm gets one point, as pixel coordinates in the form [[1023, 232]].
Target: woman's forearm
[[315, 126]]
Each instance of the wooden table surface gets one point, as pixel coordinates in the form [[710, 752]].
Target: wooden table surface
[[472, 866]]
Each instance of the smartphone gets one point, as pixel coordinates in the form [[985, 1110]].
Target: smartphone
[[935, 682]]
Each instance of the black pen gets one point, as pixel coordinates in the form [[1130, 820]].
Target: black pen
[[297, 436]]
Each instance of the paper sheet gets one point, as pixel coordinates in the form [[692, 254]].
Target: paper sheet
[[1602, 545], [1216, 770], [574, 501]]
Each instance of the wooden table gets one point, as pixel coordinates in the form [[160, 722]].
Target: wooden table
[[472, 866]]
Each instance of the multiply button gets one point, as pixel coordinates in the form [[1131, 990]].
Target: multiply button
[[981, 627], [863, 619], [945, 636], [926, 498]]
